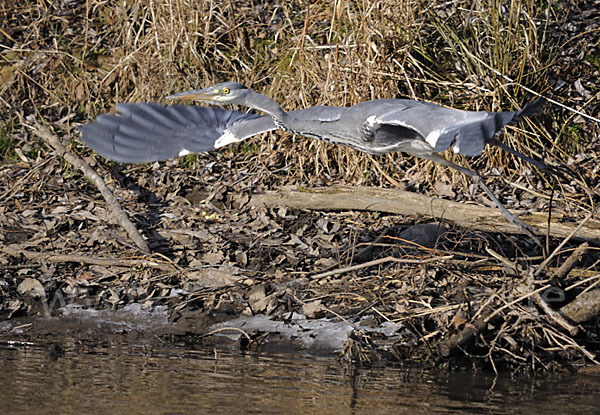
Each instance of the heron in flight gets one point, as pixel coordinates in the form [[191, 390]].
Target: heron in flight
[[152, 132]]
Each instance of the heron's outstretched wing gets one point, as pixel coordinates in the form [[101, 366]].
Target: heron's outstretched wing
[[152, 132], [466, 132]]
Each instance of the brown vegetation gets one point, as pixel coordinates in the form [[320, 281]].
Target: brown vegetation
[[495, 298]]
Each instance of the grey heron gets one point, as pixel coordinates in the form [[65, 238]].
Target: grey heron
[[150, 132]]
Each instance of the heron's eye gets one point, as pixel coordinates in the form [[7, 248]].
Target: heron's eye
[[226, 91]]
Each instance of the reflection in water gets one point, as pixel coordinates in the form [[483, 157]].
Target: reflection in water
[[117, 379]]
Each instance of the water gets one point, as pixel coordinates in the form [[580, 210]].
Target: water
[[115, 378]]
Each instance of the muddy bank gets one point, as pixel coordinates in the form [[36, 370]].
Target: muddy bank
[[132, 324], [404, 289], [397, 301], [447, 294]]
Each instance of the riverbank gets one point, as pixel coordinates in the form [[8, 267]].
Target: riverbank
[[224, 239]]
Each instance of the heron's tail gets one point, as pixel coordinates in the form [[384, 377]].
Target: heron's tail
[[480, 128], [531, 108]]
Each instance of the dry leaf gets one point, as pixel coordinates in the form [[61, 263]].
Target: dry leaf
[[31, 288]]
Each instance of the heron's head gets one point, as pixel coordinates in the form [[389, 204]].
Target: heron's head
[[225, 93]]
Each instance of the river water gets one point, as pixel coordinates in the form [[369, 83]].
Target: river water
[[129, 378]]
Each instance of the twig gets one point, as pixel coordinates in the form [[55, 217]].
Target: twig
[[543, 265], [4, 197], [555, 316], [387, 176], [118, 213], [377, 262], [471, 329], [570, 262], [369, 246], [458, 339], [556, 336], [518, 300], [42, 256], [596, 276], [222, 329], [512, 267], [531, 91]]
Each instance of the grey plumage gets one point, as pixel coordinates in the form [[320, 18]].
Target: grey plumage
[[388, 125], [148, 132], [152, 132]]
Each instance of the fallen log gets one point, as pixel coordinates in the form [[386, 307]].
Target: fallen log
[[412, 204]]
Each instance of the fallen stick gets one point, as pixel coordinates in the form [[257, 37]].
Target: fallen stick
[[378, 262], [47, 257], [540, 268], [555, 316], [456, 340], [584, 307], [571, 261], [412, 204], [118, 214]]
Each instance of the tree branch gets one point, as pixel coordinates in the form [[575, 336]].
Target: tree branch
[[118, 214]]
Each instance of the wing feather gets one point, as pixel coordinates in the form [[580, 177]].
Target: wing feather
[[151, 132], [466, 132]]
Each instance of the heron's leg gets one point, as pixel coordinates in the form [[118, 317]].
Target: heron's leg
[[560, 171], [435, 157], [539, 164]]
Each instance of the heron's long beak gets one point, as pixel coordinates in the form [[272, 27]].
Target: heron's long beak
[[197, 94]]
